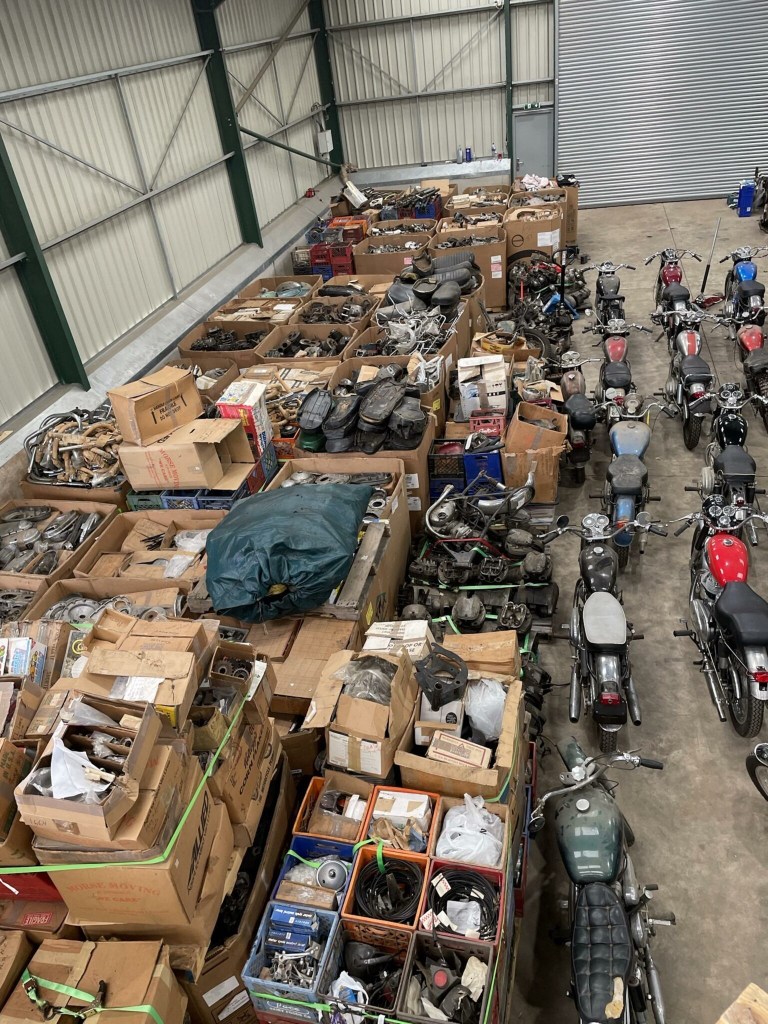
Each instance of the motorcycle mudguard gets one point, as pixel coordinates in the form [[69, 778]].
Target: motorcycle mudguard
[[624, 511]]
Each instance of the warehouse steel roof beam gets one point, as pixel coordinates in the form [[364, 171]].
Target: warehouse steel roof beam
[[428, 16], [295, 94], [239, 47], [289, 149], [324, 68], [255, 99], [259, 137], [12, 260]]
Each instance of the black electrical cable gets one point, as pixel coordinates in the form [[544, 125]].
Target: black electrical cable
[[466, 886], [393, 895]]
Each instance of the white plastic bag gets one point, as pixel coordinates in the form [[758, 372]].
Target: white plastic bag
[[484, 705], [349, 990], [68, 775], [465, 916], [471, 834]]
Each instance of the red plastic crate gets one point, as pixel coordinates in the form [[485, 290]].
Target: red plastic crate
[[485, 423]]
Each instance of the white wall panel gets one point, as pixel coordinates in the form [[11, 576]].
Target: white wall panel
[[246, 21], [359, 11], [27, 372]]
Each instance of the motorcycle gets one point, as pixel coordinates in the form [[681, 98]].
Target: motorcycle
[[744, 318], [613, 974], [615, 377], [609, 302], [670, 276], [601, 674], [728, 621], [742, 289], [757, 766], [689, 375], [626, 491]]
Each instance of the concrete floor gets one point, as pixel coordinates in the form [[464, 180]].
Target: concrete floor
[[701, 827]]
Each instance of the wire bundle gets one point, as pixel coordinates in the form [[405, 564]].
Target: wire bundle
[[466, 886], [393, 895]]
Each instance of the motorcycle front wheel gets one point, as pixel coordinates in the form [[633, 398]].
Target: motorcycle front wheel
[[691, 431], [747, 712], [758, 772]]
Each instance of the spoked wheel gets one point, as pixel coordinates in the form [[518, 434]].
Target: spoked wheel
[[762, 390], [758, 772], [691, 431], [608, 741], [747, 712]]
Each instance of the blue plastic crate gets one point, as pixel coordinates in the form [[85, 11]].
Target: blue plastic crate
[[313, 849], [143, 501], [180, 499], [437, 485], [218, 500], [265, 994], [323, 269], [477, 462]]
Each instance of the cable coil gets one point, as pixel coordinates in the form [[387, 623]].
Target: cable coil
[[466, 886], [393, 895]]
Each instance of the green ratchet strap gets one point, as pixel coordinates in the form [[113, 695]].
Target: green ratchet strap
[[31, 984], [162, 857]]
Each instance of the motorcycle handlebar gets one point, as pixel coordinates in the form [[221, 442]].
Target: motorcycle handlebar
[[689, 487], [682, 529], [649, 762], [659, 530]]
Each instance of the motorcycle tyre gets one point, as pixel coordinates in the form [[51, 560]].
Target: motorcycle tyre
[[752, 722], [692, 431], [608, 741], [622, 554], [753, 765]]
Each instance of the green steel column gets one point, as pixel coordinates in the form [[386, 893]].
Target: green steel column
[[509, 87], [325, 78], [35, 278], [226, 119]]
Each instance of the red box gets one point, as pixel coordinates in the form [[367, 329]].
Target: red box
[[36, 886], [245, 400]]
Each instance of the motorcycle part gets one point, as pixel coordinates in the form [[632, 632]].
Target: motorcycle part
[[442, 677], [314, 410], [392, 896], [463, 886]]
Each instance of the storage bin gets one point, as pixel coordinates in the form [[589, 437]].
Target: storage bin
[[309, 849]]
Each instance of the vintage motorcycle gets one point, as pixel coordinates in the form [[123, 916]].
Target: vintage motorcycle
[[757, 766], [626, 491], [690, 376], [743, 271], [670, 275], [601, 674], [609, 302], [745, 328], [727, 621], [613, 974], [615, 377]]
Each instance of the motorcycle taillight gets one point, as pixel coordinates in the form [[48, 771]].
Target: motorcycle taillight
[[610, 698], [760, 676]]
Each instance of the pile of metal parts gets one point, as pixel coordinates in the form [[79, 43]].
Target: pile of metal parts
[[384, 412], [470, 220], [293, 947], [204, 378], [487, 197], [77, 609], [219, 340], [480, 568], [384, 227], [286, 290], [409, 332], [298, 346], [380, 482], [76, 449], [419, 201], [31, 537], [13, 604], [446, 985], [454, 242], [387, 247], [351, 310]]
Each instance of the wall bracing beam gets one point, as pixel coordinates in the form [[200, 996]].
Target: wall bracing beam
[[510, 76], [325, 79], [226, 120], [289, 149], [270, 59], [35, 279]]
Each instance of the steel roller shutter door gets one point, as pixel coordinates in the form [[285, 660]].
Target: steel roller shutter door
[[661, 100]]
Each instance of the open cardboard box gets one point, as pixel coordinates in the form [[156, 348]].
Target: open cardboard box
[[143, 593], [254, 288], [362, 736], [210, 361], [496, 653], [367, 262], [320, 331], [242, 331], [205, 453], [157, 403], [407, 225], [335, 301], [526, 443], [60, 492], [491, 258], [376, 285], [455, 779], [254, 311], [543, 232], [571, 206]]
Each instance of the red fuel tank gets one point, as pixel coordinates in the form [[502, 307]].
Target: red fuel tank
[[689, 342], [672, 273], [750, 338], [727, 559], [615, 348]]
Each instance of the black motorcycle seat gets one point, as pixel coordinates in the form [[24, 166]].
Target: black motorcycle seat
[[675, 293], [695, 369], [747, 289], [612, 298], [627, 475], [756, 361], [453, 259], [601, 950], [580, 412], [742, 615], [735, 464], [399, 292], [617, 375]]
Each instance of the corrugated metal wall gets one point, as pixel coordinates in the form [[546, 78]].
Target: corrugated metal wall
[[649, 105], [286, 95], [390, 55], [111, 276]]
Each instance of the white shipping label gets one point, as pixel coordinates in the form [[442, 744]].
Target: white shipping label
[[338, 749], [213, 995], [240, 1000], [497, 273], [259, 668], [411, 481], [496, 259], [448, 361], [370, 757], [549, 238], [136, 688], [414, 503]]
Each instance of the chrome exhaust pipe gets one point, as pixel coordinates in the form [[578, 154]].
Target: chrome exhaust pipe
[[654, 988], [574, 696], [633, 704], [714, 685]]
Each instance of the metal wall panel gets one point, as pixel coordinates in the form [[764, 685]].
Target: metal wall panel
[[27, 372], [145, 129], [385, 72], [638, 86], [243, 21]]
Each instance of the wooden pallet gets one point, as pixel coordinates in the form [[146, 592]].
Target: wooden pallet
[[750, 1008]]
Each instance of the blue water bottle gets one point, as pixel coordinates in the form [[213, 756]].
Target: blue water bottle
[[746, 198], [468, 155]]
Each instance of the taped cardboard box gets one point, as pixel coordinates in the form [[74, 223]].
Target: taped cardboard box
[[207, 453], [528, 442], [361, 735], [455, 780], [98, 819], [393, 637], [496, 653], [149, 981], [153, 406], [15, 954]]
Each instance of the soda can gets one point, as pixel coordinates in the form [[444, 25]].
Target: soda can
[[468, 155]]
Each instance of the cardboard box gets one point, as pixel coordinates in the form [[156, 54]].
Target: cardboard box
[[433, 401], [100, 819], [483, 385], [254, 288], [161, 894], [149, 981], [571, 214], [206, 453], [320, 331], [454, 779], [59, 492], [527, 442], [301, 746], [393, 637], [15, 954], [245, 400], [142, 593], [362, 736], [542, 232], [491, 258], [153, 406], [37, 920], [211, 388], [335, 301], [451, 749], [14, 765], [16, 849], [313, 642], [496, 653], [254, 311], [367, 262], [249, 332], [236, 779]]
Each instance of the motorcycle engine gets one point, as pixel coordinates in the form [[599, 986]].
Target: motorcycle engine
[[709, 584]]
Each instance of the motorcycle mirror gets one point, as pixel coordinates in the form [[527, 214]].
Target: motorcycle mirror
[[761, 752], [562, 522], [643, 519], [535, 825]]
